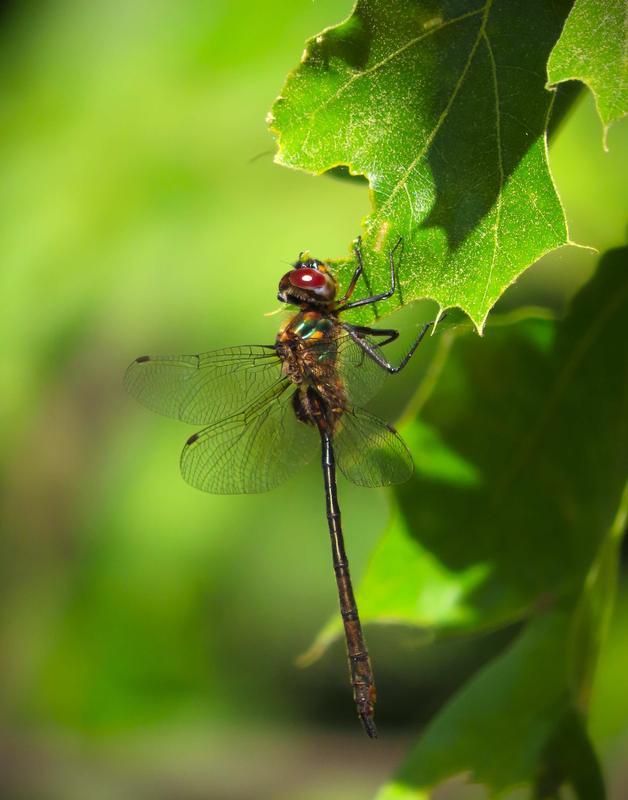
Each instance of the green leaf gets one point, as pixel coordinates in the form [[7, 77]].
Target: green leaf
[[593, 614], [521, 719], [512, 725], [592, 49], [521, 453], [528, 511], [443, 107]]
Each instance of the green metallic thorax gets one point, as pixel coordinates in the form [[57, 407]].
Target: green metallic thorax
[[307, 346], [310, 325]]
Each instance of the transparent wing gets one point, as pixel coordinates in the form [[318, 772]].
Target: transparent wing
[[203, 388], [361, 376], [369, 452], [252, 451]]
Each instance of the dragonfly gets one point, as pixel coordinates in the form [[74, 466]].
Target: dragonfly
[[268, 409]]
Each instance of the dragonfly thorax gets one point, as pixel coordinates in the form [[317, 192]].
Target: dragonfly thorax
[[306, 345]]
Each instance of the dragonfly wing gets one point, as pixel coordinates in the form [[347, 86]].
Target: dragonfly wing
[[369, 452], [361, 375], [253, 450], [203, 388]]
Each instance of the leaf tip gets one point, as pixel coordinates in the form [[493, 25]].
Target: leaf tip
[[590, 248], [439, 316]]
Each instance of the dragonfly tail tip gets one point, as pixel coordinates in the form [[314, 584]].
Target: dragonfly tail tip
[[369, 725]]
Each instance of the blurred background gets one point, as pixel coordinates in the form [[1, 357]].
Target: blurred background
[[148, 632]]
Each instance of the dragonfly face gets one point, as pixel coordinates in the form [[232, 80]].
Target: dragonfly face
[[267, 409], [308, 283]]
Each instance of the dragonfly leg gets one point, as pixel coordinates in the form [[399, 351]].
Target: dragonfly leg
[[357, 249], [390, 333], [377, 357], [384, 295]]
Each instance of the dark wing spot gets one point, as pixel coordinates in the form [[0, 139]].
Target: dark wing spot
[[192, 438], [142, 359]]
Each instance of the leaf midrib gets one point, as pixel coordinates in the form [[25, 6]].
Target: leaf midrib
[[444, 113]]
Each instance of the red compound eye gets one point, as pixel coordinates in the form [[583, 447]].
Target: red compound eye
[[306, 278]]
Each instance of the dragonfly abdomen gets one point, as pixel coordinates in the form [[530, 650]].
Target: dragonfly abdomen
[[314, 407]]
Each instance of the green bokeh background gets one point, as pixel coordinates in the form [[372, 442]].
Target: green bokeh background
[[147, 631]]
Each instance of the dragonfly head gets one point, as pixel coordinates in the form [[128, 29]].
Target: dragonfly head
[[309, 281]]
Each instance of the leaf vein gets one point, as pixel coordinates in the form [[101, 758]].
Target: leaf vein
[[357, 75], [500, 163], [444, 113]]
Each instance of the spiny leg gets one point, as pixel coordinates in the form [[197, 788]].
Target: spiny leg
[[377, 357], [376, 298], [357, 249], [390, 333]]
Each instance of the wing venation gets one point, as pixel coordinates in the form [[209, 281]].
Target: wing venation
[[369, 452], [203, 388]]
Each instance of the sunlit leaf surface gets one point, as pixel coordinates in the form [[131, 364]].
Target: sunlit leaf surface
[[443, 107], [592, 49]]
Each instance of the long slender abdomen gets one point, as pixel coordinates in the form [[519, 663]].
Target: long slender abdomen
[[360, 670]]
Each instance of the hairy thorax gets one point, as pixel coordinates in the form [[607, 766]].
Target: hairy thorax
[[308, 347]]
